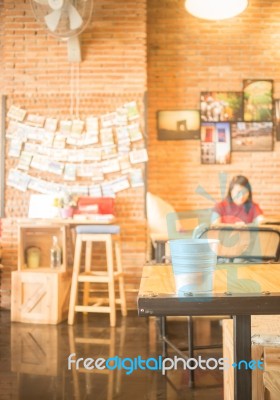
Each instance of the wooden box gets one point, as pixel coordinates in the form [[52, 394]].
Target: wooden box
[[40, 235], [40, 296]]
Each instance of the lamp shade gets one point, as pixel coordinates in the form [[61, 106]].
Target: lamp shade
[[215, 9]]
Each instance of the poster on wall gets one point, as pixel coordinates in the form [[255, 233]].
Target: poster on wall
[[277, 118], [258, 100], [215, 143], [252, 136], [221, 106], [178, 125]]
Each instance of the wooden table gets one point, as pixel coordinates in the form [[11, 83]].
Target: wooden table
[[240, 290]]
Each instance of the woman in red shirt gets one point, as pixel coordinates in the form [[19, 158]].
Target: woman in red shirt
[[238, 207]]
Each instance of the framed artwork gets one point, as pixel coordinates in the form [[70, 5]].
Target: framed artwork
[[277, 118], [252, 136], [215, 143], [178, 125], [221, 106], [258, 100]]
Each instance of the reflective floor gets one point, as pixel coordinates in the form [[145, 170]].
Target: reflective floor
[[34, 360]]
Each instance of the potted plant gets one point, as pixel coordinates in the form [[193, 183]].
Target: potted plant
[[67, 203]]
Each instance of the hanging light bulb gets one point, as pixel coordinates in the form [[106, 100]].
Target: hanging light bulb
[[215, 9]]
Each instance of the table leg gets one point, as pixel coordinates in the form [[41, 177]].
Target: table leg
[[162, 322], [242, 351], [190, 350]]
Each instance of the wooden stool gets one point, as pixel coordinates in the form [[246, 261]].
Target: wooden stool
[[109, 234]]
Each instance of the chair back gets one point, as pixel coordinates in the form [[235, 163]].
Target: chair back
[[252, 244]]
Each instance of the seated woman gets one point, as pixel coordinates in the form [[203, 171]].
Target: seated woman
[[238, 206]]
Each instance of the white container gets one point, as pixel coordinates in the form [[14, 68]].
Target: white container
[[195, 282], [193, 264]]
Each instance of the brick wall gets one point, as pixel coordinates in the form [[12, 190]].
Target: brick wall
[[37, 76], [186, 56]]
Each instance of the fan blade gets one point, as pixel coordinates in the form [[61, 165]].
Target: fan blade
[[74, 18], [43, 2], [52, 20]]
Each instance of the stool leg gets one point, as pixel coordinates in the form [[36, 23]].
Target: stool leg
[[121, 278], [74, 285], [111, 283], [87, 269]]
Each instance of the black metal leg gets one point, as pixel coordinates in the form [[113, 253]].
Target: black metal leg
[[242, 351], [163, 335], [191, 352]]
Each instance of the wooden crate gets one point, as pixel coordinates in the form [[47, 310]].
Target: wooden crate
[[40, 296], [40, 235]]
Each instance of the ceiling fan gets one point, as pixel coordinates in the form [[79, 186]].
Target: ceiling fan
[[65, 19]]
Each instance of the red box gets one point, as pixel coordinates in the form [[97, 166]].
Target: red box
[[95, 205]]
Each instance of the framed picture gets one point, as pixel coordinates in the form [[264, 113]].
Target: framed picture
[[258, 100], [178, 125], [252, 136], [215, 143], [221, 106], [277, 118]]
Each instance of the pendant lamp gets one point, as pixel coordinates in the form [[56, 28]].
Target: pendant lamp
[[215, 9]]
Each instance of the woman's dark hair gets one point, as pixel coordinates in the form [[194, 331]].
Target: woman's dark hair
[[242, 181]]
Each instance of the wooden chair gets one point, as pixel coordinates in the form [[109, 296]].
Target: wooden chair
[[109, 235]]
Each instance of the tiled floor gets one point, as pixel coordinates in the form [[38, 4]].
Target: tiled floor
[[33, 361]]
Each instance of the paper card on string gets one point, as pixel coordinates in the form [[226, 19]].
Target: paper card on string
[[97, 174], [108, 120], [92, 154], [51, 124], [122, 135], [39, 162], [47, 138], [106, 135], [35, 120], [92, 125], [46, 151], [58, 154], [124, 149], [95, 191], [85, 170], [120, 184], [16, 113], [132, 110], [109, 152], [76, 155], [121, 117], [18, 180], [136, 177], [78, 190], [110, 166], [55, 167], [134, 132], [77, 126], [31, 148], [90, 138], [138, 156], [25, 160], [124, 163], [31, 133], [59, 141], [107, 189], [70, 172], [74, 140], [65, 126], [15, 148], [11, 129]]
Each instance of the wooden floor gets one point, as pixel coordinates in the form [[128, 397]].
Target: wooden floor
[[33, 361]]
